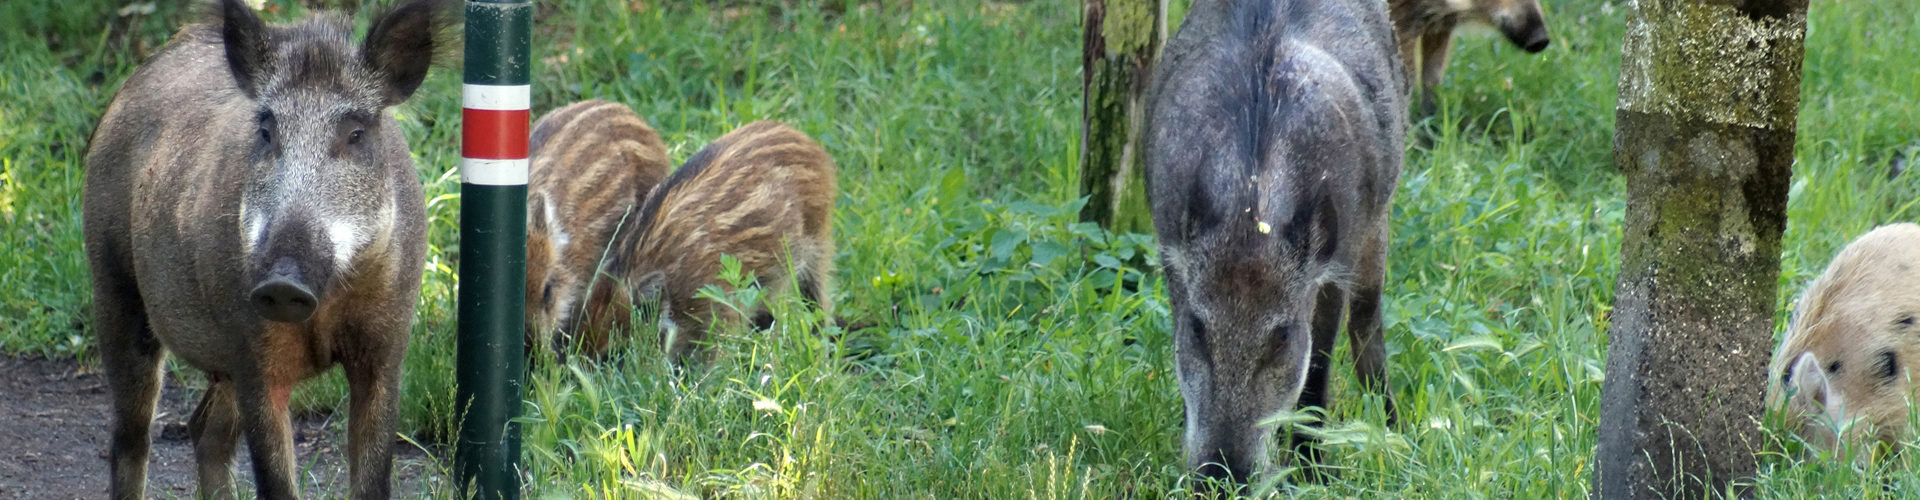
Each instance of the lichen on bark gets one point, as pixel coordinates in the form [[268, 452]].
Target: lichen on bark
[[1712, 62], [1129, 25], [1122, 38]]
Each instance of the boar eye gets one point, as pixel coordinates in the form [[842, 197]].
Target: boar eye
[[1281, 334], [1277, 344], [1833, 367], [1889, 364], [354, 136], [546, 292]]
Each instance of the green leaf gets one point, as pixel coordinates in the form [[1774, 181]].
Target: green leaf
[[953, 189], [1004, 241], [1032, 208], [1046, 251], [1090, 231], [1073, 207], [729, 268], [1474, 342]]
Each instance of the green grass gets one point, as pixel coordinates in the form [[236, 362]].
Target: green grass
[[1019, 354]]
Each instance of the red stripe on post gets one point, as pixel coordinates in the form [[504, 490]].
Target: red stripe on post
[[494, 135]]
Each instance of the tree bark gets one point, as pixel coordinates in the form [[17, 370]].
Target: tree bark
[[1709, 96], [1122, 38]]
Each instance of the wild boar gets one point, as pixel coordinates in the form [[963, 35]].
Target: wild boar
[[593, 162], [1845, 362], [250, 207], [763, 194], [1274, 145], [1425, 29]]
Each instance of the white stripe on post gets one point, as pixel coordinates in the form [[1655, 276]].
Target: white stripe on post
[[495, 97], [498, 163], [493, 172]]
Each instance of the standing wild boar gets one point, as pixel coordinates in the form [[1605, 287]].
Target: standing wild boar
[[251, 208], [593, 163], [1425, 29], [763, 194], [1847, 352], [1273, 145]]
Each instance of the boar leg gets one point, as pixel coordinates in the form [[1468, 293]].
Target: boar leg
[[263, 413], [1410, 57], [1327, 309], [1368, 341], [130, 356], [215, 429], [374, 378], [1433, 64]]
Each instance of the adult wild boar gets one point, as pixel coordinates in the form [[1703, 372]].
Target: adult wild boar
[[1273, 145], [251, 208], [1425, 29]]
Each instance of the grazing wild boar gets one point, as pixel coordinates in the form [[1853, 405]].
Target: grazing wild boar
[[593, 163], [1273, 145], [251, 208], [1425, 30], [1853, 337], [763, 194]]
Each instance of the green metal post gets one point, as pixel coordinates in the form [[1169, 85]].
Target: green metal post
[[493, 247]]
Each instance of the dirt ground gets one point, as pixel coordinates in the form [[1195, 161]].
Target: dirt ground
[[53, 440]]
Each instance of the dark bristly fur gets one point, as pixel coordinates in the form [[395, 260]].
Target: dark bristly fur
[[763, 194], [1425, 30], [593, 162], [1274, 138], [250, 208]]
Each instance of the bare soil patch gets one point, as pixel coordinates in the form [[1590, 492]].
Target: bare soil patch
[[53, 440]]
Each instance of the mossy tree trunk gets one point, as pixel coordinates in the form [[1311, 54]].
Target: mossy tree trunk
[[1122, 39], [1709, 92]]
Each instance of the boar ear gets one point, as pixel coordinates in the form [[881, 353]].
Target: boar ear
[[1811, 382], [400, 47], [249, 55]]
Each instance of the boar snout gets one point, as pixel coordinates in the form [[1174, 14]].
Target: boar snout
[[290, 276], [1527, 31], [282, 296], [1227, 465], [1535, 42]]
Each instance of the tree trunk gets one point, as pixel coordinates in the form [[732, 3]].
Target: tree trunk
[[1709, 93], [1122, 39]]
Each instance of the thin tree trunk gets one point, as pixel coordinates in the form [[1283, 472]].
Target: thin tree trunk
[[1709, 94], [1122, 38]]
